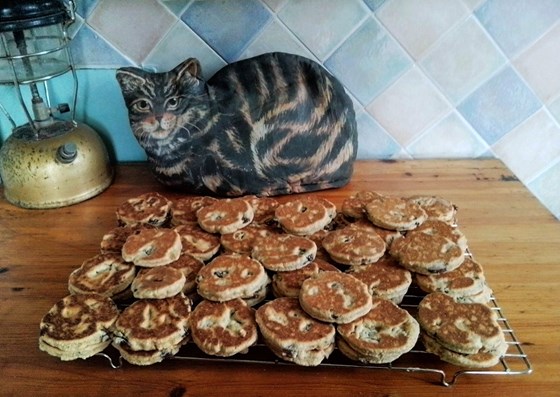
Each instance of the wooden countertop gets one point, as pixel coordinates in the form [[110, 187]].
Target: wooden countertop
[[513, 236]]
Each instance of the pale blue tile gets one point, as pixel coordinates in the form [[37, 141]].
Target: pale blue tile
[[276, 37], [499, 105], [545, 188], [450, 138], [89, 50], [179, 44], [531, 146], [322, 38], [85, 7], [177, 7], [369, 61], [473, 4], [408, 106], [227, 26], [554, 108], [417, 25], [133, 27], [514, 24], [539, 65], [374, 4], [276, 5], [463, 59], [373, 141]]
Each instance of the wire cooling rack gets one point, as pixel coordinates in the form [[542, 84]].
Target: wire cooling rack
[[418, 360]]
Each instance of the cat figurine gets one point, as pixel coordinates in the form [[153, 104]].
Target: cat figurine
[[273, 124]]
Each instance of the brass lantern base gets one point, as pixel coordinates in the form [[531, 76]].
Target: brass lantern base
[[66, 164]]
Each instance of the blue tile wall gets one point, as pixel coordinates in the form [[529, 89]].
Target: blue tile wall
[[88, 48], [514, 24], [226, 25], [373, 140], [368, 61], [498, 105], [322, 38], [478, 78]]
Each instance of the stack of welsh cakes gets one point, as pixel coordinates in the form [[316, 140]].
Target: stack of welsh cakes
[[297, 275]]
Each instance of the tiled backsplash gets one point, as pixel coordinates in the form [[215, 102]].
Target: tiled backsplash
[[430, 78]]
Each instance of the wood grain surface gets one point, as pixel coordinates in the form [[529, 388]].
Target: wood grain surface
[[509, 232]]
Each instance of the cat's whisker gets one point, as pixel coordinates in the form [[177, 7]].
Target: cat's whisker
[[185, 127], [141, 134], [192, 125]]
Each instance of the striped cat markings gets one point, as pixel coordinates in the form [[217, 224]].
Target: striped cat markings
[[269, 125]]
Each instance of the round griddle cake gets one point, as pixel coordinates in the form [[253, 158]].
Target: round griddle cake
[[114, 239], [462, 327], [335, 297], [292, 334], [387, 235], [223, 328], [284, 252], [183, 210], [225, 216], [157, 283], [242, 241], [68, 354], [383, 334], [395, 213], [437, 208], [189, 266], [351, 246], [149, 208], [434, 227], [152, 247], [384, 278], [197, 242], [263, 208], [481, 359], [78, 326], [154, 324], [355, 205], [468, 279], [289, 283], [306, 215], [105, 274], [145, 357], [231, 276], [427, 252]]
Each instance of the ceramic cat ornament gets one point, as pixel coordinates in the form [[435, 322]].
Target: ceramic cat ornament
[[269, 125]]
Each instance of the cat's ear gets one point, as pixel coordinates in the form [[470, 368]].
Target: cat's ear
[[190, 66], [130, 78]]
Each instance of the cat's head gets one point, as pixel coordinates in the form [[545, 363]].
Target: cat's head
[[159, 103]]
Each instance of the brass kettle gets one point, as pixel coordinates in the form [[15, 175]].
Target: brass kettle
[[67, 164]]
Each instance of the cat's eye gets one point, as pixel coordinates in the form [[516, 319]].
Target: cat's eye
[[142, 105], [172, 103]]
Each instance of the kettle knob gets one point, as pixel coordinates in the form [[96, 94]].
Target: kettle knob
[[67, 153], [63, 108]]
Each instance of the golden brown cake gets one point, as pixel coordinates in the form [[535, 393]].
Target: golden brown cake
[[335, 297]]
